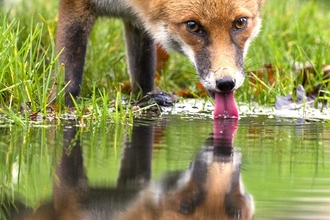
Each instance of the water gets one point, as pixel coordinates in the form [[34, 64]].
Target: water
[[173, 168]]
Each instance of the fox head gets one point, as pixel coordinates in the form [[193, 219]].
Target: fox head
[[213, 34]]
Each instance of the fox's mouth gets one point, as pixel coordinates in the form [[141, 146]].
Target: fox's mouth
[[224, 104]]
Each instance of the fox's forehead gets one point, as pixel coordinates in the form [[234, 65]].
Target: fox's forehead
[[210, 9]]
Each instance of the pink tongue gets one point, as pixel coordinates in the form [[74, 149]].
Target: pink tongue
[[225, 105]]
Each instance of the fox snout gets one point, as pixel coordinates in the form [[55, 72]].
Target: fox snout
[[225, 84], [225, 80]]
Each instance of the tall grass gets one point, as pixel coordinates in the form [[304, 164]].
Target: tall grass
[[26, 68], [293, 31], [29, 72]]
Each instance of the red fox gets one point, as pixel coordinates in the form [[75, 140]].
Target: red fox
[[213, 34]]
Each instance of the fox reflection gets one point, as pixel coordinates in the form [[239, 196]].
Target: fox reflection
[[210, 188]]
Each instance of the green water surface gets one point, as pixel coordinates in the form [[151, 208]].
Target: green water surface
[[285, 163]]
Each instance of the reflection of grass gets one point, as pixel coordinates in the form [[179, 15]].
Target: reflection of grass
[[27, 159], [293, 31], [283, 163]]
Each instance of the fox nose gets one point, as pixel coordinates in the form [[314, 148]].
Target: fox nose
[[226, 84]]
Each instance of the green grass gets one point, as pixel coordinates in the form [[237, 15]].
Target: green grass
[[292, 31]]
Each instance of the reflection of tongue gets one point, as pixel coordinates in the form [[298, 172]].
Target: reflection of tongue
[[225, 105], [224, 131]]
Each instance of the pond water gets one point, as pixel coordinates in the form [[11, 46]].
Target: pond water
[[175, 167]]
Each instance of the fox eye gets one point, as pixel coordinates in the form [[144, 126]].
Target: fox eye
[[194, 28], [241, 23]]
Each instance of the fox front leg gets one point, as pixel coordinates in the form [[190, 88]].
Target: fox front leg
[[141, 55], [76, 19]]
